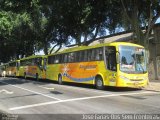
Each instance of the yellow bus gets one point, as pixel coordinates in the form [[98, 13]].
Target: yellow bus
[[12, 68], [33, 67], [3, 69], [116, 64]]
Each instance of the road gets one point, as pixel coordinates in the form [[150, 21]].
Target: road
[[49, 100]]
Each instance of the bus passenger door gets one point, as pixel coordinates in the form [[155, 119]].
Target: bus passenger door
[[111, 65], [17, 68], [44, 68]]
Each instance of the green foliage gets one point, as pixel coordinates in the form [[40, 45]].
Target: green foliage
[[138, 14], [28, 26]]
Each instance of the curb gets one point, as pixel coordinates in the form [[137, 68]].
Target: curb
[[154, 86]]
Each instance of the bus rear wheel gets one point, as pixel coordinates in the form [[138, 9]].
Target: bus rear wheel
[[60, 81], [25, 77], [37, 77], [99, 83]]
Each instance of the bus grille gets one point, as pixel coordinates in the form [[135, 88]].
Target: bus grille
[[136, 79]]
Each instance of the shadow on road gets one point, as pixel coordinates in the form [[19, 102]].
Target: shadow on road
[[106, 88], [15, 81]]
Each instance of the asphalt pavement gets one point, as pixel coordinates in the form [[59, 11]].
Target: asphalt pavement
[[153, 85], [28, 99]]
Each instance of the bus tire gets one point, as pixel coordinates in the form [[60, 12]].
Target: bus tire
[[99, 83], [60, 81], [37, 77], [25, 77]]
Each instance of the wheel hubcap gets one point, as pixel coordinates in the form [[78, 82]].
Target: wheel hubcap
[[99, 83], [60, 79]]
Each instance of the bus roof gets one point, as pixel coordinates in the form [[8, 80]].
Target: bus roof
[[96, 46], [4, 64], [33, 56], [13, 61]]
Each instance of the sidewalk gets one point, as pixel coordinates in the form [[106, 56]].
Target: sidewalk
[[153, 85]]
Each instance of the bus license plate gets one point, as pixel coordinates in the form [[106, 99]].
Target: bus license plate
[[136, 83]]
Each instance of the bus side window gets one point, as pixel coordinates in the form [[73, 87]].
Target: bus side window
[[76, 56], [111, 62], [39, 61], [93, 51], [32, 62], [45, 64], [85, 55], [98, 54], [100, 50], [60, 58], [90, 55], [81, 56], [71, 57], [56, 59], [65, 58], [50, 59]]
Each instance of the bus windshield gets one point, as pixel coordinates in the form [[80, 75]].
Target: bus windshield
[[132, 59]]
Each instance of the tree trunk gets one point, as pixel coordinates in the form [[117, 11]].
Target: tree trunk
[[45, 49], [78, 40]]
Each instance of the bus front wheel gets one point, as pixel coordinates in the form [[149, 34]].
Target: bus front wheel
[[60, 81], [99, 83]]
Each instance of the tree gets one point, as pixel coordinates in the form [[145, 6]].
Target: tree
[[141, 14], [73, 20], [59, 23]]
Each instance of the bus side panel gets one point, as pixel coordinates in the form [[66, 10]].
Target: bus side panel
[[21, 71], [42, 74], [17, 72], [83, 72], [31, 71], [52, 71], [13, 71]]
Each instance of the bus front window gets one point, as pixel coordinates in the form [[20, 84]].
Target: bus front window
[[132, 59]]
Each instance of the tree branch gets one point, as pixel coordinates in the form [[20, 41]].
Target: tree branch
[[52, 49], [151, 23], [58, 48], [126, 11]]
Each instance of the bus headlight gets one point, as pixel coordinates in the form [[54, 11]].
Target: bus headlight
[[145, 78], [124, 78]]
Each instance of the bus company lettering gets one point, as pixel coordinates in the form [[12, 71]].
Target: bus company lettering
[[86, 67], [34, 68]]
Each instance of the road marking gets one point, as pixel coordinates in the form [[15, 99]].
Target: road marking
[[6, 91], [47, 88], [76, 99], [32, 91]]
